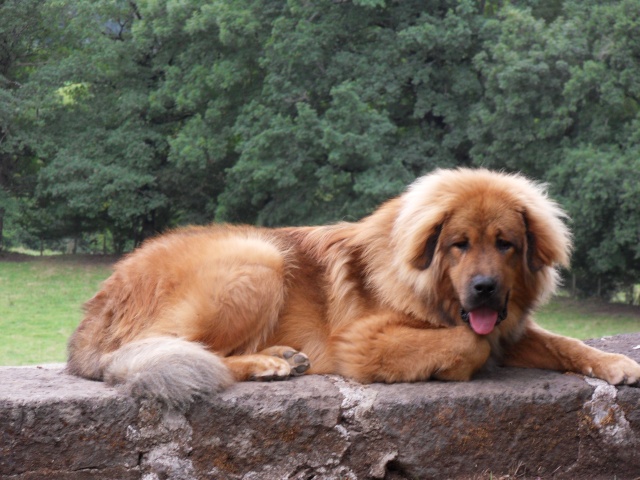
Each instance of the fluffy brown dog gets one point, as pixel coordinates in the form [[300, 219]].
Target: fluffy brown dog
[[431, 285]]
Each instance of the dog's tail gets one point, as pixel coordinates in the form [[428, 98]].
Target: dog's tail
[[172, 370]]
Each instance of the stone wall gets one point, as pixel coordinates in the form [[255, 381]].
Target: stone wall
[[521, 423]]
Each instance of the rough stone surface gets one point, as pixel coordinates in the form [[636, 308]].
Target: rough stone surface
[[516, 422]]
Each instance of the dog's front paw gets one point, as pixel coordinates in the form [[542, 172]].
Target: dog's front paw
[[617, 369]]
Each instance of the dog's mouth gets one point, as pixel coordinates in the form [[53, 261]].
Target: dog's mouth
[[484, 319]]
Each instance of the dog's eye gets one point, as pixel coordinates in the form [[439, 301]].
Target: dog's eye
[[503, 245], [461, 245]]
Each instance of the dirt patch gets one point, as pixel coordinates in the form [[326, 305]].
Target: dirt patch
[[15, 257], [79, 259]]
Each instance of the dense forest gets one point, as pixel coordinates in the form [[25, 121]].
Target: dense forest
[[122, 118]]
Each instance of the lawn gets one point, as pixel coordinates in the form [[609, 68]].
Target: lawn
[[41, 299], [40, 305], [588, 318]]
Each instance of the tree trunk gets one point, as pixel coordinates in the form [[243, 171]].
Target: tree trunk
[[2, 212]]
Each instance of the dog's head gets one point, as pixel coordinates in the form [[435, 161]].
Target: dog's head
[[486, 240]]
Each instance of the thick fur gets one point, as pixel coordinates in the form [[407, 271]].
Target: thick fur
[[384, 299]]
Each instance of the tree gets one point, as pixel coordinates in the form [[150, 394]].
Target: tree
[[356, 100], [24, 29], [131, 117], [598, 176], [106, 143], [601, 188], [523, 118]]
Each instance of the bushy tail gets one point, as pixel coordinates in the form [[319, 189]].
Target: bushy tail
[[172, 370]]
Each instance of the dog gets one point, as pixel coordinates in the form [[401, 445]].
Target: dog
[[432, 285]]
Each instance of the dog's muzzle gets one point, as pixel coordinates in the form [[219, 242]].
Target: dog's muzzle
[[483, 318]]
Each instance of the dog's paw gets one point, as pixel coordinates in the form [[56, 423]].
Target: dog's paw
[[270, 368], [617, 369], [298, 361], [278, 363]]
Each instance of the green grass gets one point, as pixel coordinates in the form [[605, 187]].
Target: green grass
[[40, 306], [585, 319], [41, 299]]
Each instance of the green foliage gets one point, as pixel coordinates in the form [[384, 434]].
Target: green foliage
[[355, 102], [122, 119], [24, 27], [601, 187], [522, 118]]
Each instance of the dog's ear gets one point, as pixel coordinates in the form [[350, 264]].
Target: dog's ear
[[424, 259], [548, 241]]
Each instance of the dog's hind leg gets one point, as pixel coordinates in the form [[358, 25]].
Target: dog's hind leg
[[273, 363], [233, 305], [231, 300]]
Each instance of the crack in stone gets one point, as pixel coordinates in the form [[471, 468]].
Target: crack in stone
[[606, 415], [169, 457], [357, 403], [357, 420]]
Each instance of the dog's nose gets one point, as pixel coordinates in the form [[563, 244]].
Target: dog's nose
[[484, 286]]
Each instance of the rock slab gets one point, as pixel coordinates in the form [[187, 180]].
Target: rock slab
[[516, 422]]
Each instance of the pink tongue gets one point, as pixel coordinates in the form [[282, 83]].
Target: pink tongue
[[482, 320]]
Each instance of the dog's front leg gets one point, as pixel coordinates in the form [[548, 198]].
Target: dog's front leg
[[385, 349], [539, 348]]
